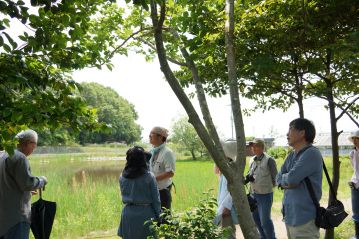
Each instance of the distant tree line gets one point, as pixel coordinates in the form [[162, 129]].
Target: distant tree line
[[117, 113]]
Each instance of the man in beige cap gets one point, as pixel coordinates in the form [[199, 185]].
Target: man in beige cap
[[262, 177], [162, 164]]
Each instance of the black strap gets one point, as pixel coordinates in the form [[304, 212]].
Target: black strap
[[329, 181], [251, 166], [311, 190], [170, 187]]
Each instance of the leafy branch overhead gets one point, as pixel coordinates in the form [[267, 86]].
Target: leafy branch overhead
[[36, 89]]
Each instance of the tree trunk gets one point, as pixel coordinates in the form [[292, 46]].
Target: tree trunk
[[193, 154], [299, 88], [329, 234], [232, 171], [300, 97], [240, 200]]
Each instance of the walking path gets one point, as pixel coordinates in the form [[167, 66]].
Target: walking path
[[279, 227]]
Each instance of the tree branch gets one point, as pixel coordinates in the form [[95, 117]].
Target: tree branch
[[194, 119], [200, 94], [174, 61], [126, 40], [345, 110]]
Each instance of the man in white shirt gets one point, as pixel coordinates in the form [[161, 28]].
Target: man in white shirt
[[162, 164]]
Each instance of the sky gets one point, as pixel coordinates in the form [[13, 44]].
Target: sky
[[143, 84]]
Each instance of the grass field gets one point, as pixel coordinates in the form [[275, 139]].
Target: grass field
[[84, 183]]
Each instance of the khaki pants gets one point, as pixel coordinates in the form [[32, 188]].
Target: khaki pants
[[306, 231], [228, 222]]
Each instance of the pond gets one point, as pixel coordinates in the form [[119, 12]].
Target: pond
[[104, 174]]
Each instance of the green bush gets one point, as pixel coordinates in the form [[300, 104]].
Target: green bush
[[278, 152], [194, 223]]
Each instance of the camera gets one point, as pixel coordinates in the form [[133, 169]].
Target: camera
[[248, 178]]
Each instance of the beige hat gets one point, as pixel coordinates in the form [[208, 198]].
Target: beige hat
[[160, 131], [354, 134], [259, 142], [230, 149]]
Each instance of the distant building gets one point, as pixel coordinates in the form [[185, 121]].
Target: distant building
[[323, 141]]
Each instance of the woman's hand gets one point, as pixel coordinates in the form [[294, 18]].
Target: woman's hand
[[226, 212]]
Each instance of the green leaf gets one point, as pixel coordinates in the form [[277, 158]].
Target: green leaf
[[15, 117], [7, 48], [34, 2], [11, 41]]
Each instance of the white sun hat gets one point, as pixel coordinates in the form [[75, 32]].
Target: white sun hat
[[230, 149], [354, 134]]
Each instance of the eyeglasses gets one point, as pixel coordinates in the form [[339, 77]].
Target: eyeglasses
[[33, 142], [152, 134]]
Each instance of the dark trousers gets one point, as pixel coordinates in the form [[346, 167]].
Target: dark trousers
[[19, 231], [166, 198]]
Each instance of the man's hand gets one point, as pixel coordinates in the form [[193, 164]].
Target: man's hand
[[164, 175], [285, 186], [43, 180], [351, 185]]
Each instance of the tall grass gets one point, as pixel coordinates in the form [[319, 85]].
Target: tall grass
[[88, 198]]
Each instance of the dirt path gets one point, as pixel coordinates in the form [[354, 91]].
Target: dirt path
[[279, 226]]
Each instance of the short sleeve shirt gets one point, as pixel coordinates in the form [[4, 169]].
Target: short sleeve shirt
[[164, 162]]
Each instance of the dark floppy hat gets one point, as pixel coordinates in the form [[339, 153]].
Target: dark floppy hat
[[257, 142]]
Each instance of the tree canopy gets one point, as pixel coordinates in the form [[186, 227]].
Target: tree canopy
[[36, 90], [113, 110]]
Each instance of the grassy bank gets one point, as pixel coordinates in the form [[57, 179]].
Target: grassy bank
[[84, 184]]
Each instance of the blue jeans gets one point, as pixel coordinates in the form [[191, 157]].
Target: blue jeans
[[262, 215], [355, 204], [19, 231]]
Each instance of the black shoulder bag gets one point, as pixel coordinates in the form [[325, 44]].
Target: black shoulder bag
[[334, 214], [251, 200]]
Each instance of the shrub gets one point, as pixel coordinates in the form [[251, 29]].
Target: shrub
[[278, 152], [197, 222]]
